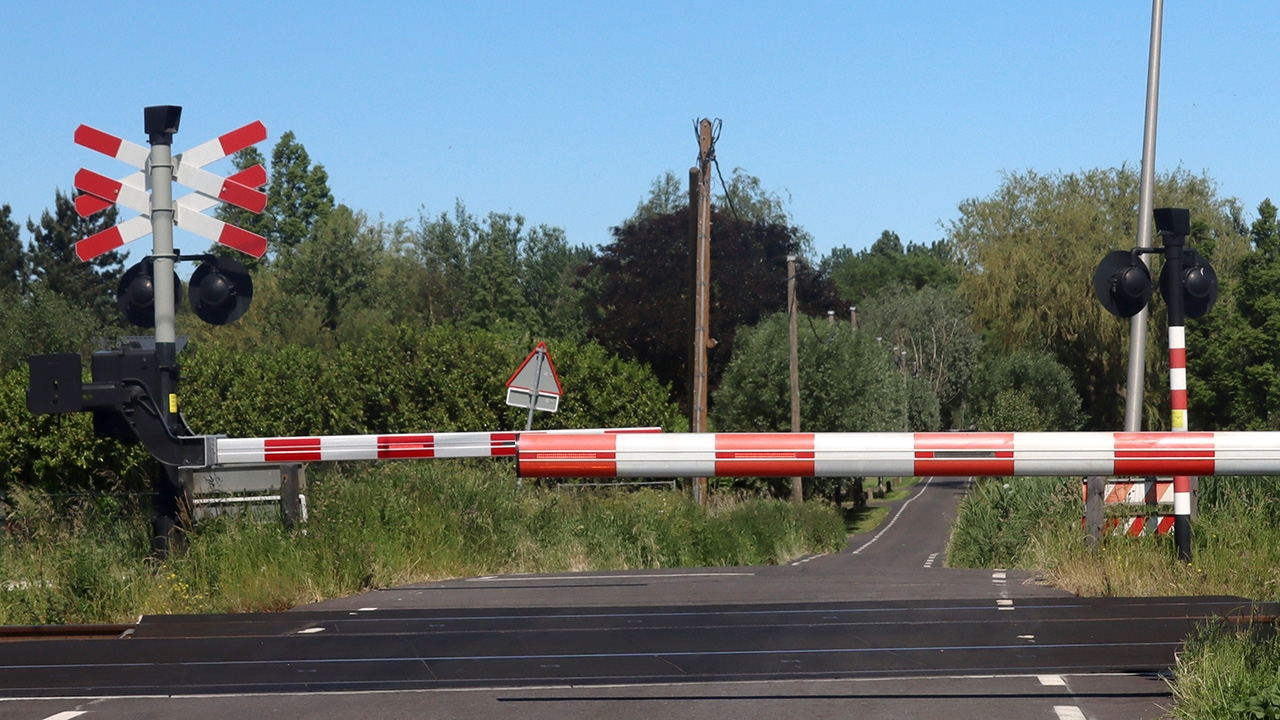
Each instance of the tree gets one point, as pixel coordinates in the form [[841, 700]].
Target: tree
[[55, 266], [638, 288], [298, 196], [336, 267], [667, 194], [848, 381], [13, 264], [495, 272], [1028, 253], [929, 331], [1234, 354], [1023, 391], [885, 264]]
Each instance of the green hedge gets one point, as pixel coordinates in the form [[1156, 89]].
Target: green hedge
[[393, 380]]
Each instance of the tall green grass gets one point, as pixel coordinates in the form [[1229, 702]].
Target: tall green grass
[[998, 517], [1226, 672], [375, 526]]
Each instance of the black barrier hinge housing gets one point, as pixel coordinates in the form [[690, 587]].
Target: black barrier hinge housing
[[122, 397]]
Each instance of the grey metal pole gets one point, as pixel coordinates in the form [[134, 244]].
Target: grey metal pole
[[540, 357], [1146, 202], [793, 355], [160, 123]]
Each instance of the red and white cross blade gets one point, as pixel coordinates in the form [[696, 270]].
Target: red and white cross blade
[[113, 237], [125, 194], [224, 189], [87, 205], [251, 177], [112, 146], [233, 237], [226, 144], [195, 203]]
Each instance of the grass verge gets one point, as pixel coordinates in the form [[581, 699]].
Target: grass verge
[[1222, 672], [1226, 672], [376, 526]]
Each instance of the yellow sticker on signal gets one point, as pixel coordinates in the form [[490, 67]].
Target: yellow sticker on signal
[[1179, 419], [173, 402]]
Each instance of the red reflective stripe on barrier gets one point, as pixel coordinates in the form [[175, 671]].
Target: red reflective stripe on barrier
[[1166, 524], [1183, 453], [502, 444], [292, 450], [568, 455], [764, 454], [1178, 399], [961, 454], [403, 447]]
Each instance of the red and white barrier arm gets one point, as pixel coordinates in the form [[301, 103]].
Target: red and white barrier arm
[[899, 454], [256, 451]]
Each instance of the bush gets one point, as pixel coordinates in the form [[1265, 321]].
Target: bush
[[409, 380], [1229, 673]]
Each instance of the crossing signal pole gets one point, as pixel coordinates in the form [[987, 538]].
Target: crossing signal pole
[[700, 270], [1189, 286], [134, 392], [793, 362]]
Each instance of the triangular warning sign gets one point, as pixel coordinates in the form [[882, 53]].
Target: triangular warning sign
[[535, 376]]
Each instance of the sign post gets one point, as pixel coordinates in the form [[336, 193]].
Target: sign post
[[535, 384]]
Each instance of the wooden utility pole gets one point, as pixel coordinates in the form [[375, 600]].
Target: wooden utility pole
[[700, 269], [797, 488]]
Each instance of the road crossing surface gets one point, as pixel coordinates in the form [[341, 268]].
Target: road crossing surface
[[880, 630]]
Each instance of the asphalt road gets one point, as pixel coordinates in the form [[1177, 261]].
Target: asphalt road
[[880, 630]]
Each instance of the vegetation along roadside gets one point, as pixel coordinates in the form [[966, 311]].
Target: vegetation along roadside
[[88, 559], [1224, 670]]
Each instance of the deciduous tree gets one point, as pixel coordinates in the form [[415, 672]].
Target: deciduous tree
[[887, 264], [1029, 251], [638, 288]]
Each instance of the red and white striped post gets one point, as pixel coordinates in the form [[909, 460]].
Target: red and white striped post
[[1174, 224]]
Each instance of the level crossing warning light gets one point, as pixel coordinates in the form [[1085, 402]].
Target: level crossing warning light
[[220, 290], [136, 294], [1122, 283]]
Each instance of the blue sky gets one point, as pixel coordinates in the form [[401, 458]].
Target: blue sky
[[868, 115]]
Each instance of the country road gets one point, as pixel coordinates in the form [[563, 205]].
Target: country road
[[881, 630]]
